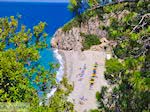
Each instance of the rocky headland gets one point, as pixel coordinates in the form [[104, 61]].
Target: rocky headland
[[79, 64]]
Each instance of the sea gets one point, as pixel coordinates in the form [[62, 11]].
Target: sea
[[54, 14]]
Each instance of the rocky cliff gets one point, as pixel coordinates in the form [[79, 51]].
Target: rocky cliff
[[72, 40]]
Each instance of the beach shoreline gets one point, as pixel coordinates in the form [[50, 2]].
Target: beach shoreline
[[74, 61], [61, 52], [79, 65], [59, 75]]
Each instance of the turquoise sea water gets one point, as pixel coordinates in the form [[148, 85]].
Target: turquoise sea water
[[54, 14]]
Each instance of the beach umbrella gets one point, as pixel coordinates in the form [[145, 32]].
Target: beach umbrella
[[93, 75], [96, 64], [92, 81]]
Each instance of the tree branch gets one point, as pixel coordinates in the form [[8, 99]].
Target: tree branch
[[112, 3], [143, 17]]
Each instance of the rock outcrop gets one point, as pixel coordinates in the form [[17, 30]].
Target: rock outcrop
[[72, 40]]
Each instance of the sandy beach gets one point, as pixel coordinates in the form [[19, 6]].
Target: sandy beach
[[79, 69]]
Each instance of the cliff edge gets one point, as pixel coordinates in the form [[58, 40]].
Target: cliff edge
[[72, 39]]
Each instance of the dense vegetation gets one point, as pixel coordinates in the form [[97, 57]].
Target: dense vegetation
[[58, 102], [128, 72], [20, 68], [77, 20], [79, 6], [18, 58], [82, 14], [89, 41]]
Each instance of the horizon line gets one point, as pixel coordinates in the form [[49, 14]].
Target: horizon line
[[24, 1]]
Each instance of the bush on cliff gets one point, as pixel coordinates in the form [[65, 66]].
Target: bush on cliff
[[76, 21], [89, 41]]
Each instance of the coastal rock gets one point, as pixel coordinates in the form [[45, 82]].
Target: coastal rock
[[72, 40]]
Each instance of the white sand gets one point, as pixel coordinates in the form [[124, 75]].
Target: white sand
[[74, 63]]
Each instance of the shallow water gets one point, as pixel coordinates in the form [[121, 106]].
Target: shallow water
[[54, 14]]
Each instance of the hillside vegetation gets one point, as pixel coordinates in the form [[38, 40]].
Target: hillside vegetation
[[21, 75], [128, 72]]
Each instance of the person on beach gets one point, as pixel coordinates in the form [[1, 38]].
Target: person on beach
[[91, 83], [84, 66], [94, 75], [83, 98], [81, 103], [96, 64], [94, 71], [82, 72]]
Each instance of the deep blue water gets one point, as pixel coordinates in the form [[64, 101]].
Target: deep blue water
[[54, 14]]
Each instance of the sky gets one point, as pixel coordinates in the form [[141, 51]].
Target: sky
[[36, 0]]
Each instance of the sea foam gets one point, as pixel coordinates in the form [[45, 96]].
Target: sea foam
[[59, 74]]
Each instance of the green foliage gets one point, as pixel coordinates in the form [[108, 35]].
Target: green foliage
[[73, 23], [114, 69], [89, 40], [68, 86], [114, 8], [58, 102], [113, 66], [74, 6], [128, 73], [88, 15], [98, 95], [121, 50], [143, 6], [19, 67], [15, 86], [92, 3], [76, 22]]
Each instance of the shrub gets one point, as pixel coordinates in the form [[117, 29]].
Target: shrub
[[75, 22], [90, 40]]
